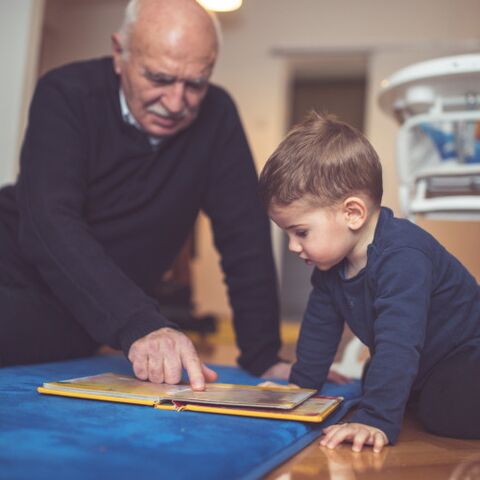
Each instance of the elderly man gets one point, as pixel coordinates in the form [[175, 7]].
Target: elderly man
[[118, 158]]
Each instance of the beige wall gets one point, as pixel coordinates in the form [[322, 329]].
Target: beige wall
[[20, 30], [264, 38], [262, 41], [78, 29]]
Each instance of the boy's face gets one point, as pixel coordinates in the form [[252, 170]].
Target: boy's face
[[319, 236]]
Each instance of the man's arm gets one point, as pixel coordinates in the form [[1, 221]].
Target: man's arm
[[242, 236], [51, 196], [54, 236]]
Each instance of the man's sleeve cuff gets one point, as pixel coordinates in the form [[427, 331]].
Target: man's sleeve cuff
[[260, 364], [140, 324]]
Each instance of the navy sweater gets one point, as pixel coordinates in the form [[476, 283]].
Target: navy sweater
[[101, 215], [413, 305]]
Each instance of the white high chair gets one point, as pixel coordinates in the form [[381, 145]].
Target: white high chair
[[437, 94], [437, 99]]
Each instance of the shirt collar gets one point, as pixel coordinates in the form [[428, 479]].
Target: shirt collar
[[131, 120]]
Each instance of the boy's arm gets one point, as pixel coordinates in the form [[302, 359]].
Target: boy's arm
[[402, 299], [319, 338]]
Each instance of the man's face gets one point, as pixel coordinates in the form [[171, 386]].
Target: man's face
[[163, 86]]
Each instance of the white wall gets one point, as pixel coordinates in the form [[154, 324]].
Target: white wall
[[20, 29]]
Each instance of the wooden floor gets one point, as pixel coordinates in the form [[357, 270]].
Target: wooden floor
[[417, 454]]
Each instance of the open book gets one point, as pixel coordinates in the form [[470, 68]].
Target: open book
[[267, 402]]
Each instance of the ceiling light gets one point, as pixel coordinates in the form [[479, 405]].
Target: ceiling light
[[220, 5]]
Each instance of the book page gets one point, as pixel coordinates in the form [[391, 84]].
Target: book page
[[124, 386], [242, 395]]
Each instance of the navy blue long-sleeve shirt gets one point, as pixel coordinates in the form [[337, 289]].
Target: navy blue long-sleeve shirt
[[101, 215], [413, 305]]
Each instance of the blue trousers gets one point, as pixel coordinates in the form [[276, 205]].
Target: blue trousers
[[449, 401], [448, 404]]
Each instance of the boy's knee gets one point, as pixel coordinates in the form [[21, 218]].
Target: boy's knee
[[448, 402], [443, 421]]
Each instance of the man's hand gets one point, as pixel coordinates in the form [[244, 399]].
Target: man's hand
[[160, 356], [335, 377], [277, 385], [281, 370], [357, 433]]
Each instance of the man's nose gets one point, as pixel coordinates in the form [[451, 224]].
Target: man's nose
[[174, 98]]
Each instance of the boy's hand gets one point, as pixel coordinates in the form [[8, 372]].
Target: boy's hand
[[281, 370], [357, 433]]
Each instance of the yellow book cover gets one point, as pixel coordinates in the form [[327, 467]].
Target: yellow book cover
[[253, 401]]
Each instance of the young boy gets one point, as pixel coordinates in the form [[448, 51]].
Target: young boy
[[410, 301]]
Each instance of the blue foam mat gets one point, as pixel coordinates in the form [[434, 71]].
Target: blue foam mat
[[52, 437]]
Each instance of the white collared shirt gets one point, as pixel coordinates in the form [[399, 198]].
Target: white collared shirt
[[131, 120]]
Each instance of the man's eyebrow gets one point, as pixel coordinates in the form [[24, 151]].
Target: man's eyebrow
[[162, 75], [165, 76]]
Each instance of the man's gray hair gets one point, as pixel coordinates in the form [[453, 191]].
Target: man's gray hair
[[130, 17]]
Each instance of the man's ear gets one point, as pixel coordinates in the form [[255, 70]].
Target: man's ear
[[117, 52], [355, 211]]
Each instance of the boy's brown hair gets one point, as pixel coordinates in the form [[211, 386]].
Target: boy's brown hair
[[325, 160]]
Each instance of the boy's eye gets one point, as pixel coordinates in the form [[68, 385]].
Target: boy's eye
[[301, 233]]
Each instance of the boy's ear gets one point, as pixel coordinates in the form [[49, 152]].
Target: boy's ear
[[355, 211]]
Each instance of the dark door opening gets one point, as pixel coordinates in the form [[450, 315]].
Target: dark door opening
[[345, 98]]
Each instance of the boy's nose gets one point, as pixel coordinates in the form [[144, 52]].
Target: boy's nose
[[294, 246]]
